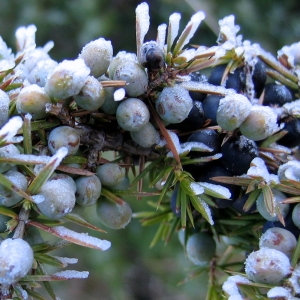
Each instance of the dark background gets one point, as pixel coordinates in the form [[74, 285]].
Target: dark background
[[130, 270]]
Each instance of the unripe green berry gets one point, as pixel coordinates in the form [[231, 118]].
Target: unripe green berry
[[110, 174], [97, 56], [33, 99]]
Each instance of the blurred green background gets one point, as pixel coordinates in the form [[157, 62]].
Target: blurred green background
[[130, 270]]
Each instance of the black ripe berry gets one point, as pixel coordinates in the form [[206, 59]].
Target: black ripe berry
[[292, 137], [195, 118], [276, 94], [239, 203], [210, 107], [237, 154], [209, 137], [233, 81], [197, 77], [259, 77]]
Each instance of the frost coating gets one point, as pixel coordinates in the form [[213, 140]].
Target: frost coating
[[174, 104], [4, 107], [279, 239], [260, 123], [71, 274], [16, 259], [267, 266], [67, 79], [232, 111], [196, 188], [10, 129], [230, 286], [278, 292], [289, 170], [173, 28], [97, 56], [90, 241]]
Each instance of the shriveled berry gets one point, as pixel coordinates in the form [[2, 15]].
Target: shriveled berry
[[88, 190]]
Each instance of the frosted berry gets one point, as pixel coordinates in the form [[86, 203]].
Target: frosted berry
[[67, 79], [260, 123], [110, 174], [174, 104], [33, 99], [132, 114], [16, 259], [113, 215], [277, 94], [8, 197], [97, 56], [7, 151], [267, 266], [279, 239], [134, 75], [59, 199], [232, 111], [64, 136], [92, 95], [4, 107]]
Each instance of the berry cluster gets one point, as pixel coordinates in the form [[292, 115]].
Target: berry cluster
[[213, 131]]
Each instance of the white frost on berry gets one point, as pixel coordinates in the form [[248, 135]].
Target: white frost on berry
[[290, 55], [38, 198], [259, 169], [230, 286], [294, 279], [292, 108], [67, 79], [119, 94], [289, 171], [71, 274], [278, 292], [16, 259]]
